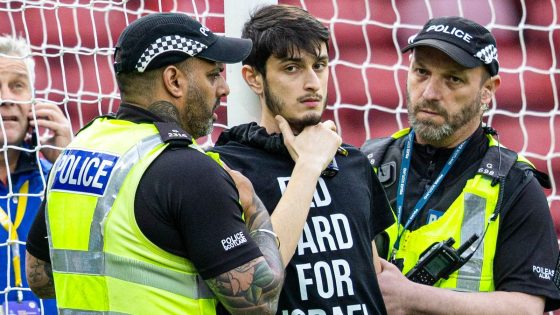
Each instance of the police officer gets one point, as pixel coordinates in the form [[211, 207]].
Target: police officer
[[447, 176], [141, 221]]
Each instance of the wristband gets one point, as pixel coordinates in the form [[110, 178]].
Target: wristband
[[269, 232]]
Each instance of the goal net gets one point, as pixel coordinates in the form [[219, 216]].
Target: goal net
[[72, 43]]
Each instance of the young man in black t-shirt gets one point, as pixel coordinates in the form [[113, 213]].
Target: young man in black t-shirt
[[325, 223]]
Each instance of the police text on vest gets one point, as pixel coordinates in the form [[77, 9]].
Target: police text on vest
[[86, 172]]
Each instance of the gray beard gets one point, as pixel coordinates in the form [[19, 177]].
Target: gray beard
[[437, 135]]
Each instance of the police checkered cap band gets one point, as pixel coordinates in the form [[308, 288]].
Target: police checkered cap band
[[487, 54], [168, 43], [160, 39]]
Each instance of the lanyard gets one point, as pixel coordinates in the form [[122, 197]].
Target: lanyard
[[405, 168], [13, 237]]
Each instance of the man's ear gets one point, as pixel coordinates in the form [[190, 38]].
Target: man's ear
[[489, 89], [253, 78], [174, 81]]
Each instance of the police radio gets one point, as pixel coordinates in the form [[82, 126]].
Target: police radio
[[439, 261]]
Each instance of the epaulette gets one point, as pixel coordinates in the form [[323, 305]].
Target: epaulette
[[172, 134], [496, 163], [375, 149]]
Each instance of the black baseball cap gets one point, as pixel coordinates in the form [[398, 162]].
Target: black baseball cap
[[468, 43], [161, 39]]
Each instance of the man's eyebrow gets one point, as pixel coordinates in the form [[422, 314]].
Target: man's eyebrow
[[218, 67], [19, 74], [291, 59], [300, 59], [455, 68], [323, 57]]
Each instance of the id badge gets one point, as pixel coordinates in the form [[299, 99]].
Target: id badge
[[23, 308]]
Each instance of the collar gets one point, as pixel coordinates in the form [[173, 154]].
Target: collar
[[428, 161], [255, 136], [476, 147], [137, 114], [27, 161]]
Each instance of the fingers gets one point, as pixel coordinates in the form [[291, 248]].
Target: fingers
[[226, 167], [47, 115], [317, 143], [330, 125], [235, 175], [386, 266], [285, 128], [384, 263], [238, 178], [52, 119], [289, 138], [47, 111]]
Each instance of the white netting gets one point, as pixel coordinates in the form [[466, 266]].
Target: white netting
[[72, 42]]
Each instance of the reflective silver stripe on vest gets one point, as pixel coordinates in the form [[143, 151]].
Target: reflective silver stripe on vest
[[131, 270], [165, 279], [96, 262], [69, 311], [122, 168], [469, 275]]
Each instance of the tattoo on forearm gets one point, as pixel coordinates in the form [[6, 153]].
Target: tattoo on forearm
[[165, 110], [247, 288], [260, 219], [253, 288], [40, 278]]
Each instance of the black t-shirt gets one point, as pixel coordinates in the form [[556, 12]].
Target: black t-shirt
[[185, 204], [527, 248], [332, 269]]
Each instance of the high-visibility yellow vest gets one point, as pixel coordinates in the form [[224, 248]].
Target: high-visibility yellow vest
[[102, 263], [473, 211]]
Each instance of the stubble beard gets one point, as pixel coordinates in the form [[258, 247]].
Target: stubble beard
[[277, 107], [437, 134], [196, 118]]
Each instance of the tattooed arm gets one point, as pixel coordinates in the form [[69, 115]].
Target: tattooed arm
[[252, 288], [39, 276]]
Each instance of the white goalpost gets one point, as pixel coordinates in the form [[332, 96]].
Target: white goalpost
[[72, 42]]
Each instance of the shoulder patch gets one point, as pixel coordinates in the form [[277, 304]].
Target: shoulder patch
[[84, 172]]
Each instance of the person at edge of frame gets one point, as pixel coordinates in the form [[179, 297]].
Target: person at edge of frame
[[22, 169], [448, 176]]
